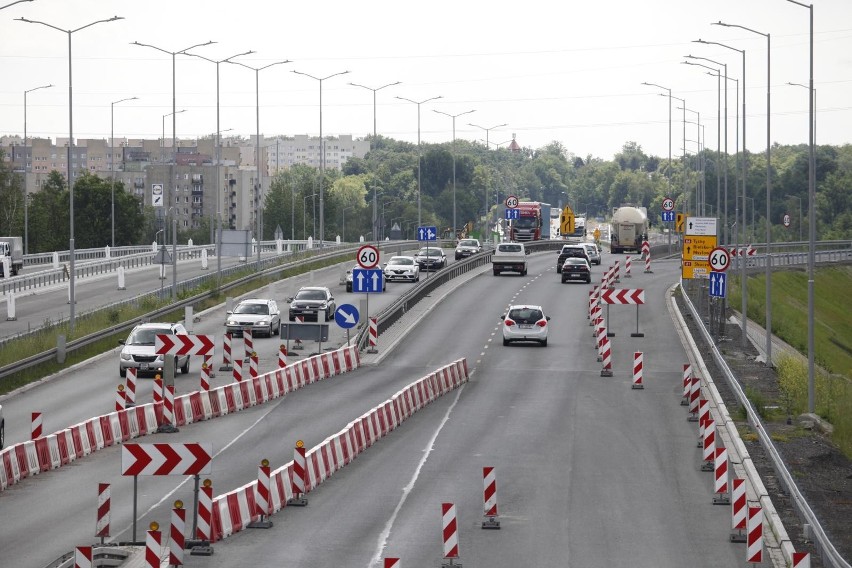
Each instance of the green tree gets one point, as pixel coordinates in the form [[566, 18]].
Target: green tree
[[11, 200]]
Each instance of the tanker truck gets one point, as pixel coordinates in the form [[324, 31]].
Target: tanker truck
[[629, 229]]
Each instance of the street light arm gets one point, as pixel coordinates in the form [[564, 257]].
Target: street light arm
[[320, 78], [700, 65], [377, 88], [454, 115], [656, 85], [13, 3], [487, 129], [705, 59], [420, 102], [220, 61], [48, 86], [255, 68], [122, 100], [720, 23]]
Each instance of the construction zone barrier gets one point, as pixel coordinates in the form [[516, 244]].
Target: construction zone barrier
[[226, 353], [754, 546], [637, 370], [83, 557], [176, 534], [102, 521], [450, 532], [153, 548], [720, 477], [489, 480], [130, 387]]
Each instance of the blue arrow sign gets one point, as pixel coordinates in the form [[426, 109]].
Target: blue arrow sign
[[370, 281], [668, 216], [718, 284], [427, 233], [346, 316], [512, 214]]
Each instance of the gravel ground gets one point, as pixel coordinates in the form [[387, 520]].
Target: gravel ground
[[822, 473]]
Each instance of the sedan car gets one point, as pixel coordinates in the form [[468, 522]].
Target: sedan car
[[402, 268], [593, 252], [349, 274], [576, 269], [467, 247], [310, 301], [431, 258], [138, 351], [261, 316], [525, 323]]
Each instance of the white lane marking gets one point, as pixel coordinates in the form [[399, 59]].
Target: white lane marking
[[383, 537], [167, 496]]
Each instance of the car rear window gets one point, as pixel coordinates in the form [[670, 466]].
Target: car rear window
[[509, 248], [525, 315]]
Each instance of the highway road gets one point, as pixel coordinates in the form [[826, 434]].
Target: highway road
[[589, 471]]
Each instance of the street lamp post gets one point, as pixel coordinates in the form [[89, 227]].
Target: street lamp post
[[26, 196], [744, 289], [163, 160], [71, 297], [375, 188], [768, 187], [419, 157], [112, 160], [487, 144], [699, 198], [305, 214], [453, 116], [669, 173], [322, 150], [258, 201]]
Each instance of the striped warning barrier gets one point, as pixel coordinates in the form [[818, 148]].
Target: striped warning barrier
[[694, 394], [130, 387], [754, 548], [392, 563], [616, 268], [153, 549], [119, 398], [606, 371], [709, 452], [226, 353], [801, 560], [637, 370], [103, 511], [450, 531], [627, 267], [687, 375], [602, 340], [738, 509], [169, 405], [648, 262], [720, 477], [489, 480], [703, 414], [238, 370], [282, 356], [300, 473], [374, 335], [262, 500], [591, 304], [254, 363], [205, 512], [83, 557], [206, 372], [248, 343], [36, 426], [176, 534], [158, 389]]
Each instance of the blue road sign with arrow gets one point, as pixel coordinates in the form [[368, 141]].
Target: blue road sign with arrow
[[668, 216], [512, 214], [367, 280], [346, 316], [718, 284], [427, 233]]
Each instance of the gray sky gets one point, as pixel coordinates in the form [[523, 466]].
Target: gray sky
[[565, 71]]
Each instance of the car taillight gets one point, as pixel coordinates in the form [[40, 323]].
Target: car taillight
[[509, 322], [541, 323]]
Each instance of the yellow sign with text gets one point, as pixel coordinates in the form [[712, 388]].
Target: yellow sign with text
[[691, 269], [696, 251]]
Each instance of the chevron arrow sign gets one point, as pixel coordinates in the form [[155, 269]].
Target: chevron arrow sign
[[166, 459], [623, 296], [183, 344]]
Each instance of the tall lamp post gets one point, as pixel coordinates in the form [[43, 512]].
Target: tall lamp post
[[699, 198], [375, 186], [453, 116], [112, 161], [258, 201], [419, 156], [487, 144], [768, 186], [26, 196], [669, 176], [744, 289], [71, 297], [163, 160], [322, 149]]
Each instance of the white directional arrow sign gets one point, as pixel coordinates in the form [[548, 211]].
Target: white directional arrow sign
[[348, 317], [364, 280]]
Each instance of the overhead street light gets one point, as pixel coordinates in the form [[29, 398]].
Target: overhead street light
[[26, 196], [322, 149], [375, 186], [669, 173], [112, 161], [13, 3], [71, 277], [419, 155], [487, 146], [453, 116]]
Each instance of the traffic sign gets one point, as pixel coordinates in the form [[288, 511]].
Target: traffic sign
[[698, 247], [183, 344], [426, 234], [511, 202], [786, 219], [370, 281], [166, 459], [368, 256], [157, 194], [512, 214], [691, 269], [718, 284], [668, 204], [346, 316], [701, 226], [680, 221], [668, 216], [719, 259]]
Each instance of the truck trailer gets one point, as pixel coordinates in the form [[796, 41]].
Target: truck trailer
[[11, 248], [629, 229]]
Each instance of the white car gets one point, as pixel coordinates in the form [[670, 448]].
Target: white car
[[593, 252], [138, 350], [525, 323], [402, 268], [260, 315]]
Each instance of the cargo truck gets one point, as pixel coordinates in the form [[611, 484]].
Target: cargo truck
[[532, 224], [11, 248], [629, 229]]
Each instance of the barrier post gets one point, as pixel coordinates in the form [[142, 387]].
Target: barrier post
[[168, 425], [226, 353], [203, 530], [490, 497], [297, 343], [627, 267], [394, 563], [694, 393], [374, 335], [637, 370], [153, 546], [450, 528], [158, 389], [300, 472], [754, 547], [801, 560], [282, 356], [102, 522], [606, 371], [738, 509], [720, 485], [687, 375], [248, 343], [176, 534], [120, 401], [262, 497], [83, 557], [253, 365], [709, 445], [238, 370], [206, 370], [35, 426], [130, 387]]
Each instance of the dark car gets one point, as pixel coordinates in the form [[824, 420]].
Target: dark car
[[431, 258], [310, 301], [467, 247], [571, 251], [577, 269]]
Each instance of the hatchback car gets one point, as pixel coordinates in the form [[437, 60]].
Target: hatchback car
[[593, 252], [467, 247], [310, 301], [262, 316], [431, 258], [138, 350], [402, 268], [525, 323], [576, 269]]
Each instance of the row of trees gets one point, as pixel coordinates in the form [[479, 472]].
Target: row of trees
[[483, 179]]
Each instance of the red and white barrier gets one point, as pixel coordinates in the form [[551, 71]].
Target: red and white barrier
[[703, 414], [254, 363], [606, 371], [158, 389], [601, 339], [648, 262], [374, 335], [169, 405], [720, 475], [205, 512], [801, 560], [102, 522], [694, 394], [627, 267], [119, 398], [489, 480], [206, 370], [83, 557], [178, 541], [687, 376], [450, 530], [738, 509], [36, 426], [226, 353], [394, 563], [754, 550], [153, 549], [709, 445], [262, 502], [238, 370], [637, 370], [130, 387], [248, 343], [282, 356], [592, 293], [300, 474], [616, 267]]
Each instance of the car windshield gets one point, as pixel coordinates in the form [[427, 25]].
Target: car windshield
[[146, 336], [525, 315], [401, 260], [310, 295], [468, 243], [259, 309], [509, 248]]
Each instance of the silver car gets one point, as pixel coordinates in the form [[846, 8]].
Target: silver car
[[138, 351], [402, 268], [467, 247], [525, 323], [593, 252], [262, 316]]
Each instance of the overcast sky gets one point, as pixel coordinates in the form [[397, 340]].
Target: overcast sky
[[558, 70]]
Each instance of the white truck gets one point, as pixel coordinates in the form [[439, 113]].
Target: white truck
[[509, 257], [629, 229], [11, 251]]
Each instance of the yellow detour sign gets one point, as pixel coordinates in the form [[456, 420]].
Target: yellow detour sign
[[566, 221], [680, 221], [696, 251]]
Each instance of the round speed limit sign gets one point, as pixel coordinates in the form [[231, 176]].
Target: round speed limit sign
[[511, 202], [367, 257], [668, 204], [719, 259]]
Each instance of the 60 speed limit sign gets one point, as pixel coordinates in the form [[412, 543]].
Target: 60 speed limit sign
[[367, 257], [719, 259], [511, 202]]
